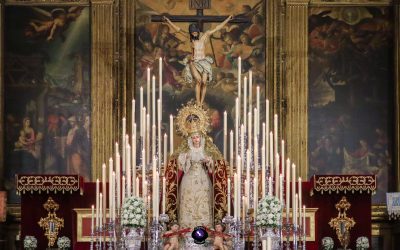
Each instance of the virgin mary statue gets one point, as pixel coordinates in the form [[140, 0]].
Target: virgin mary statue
[[196, 173]]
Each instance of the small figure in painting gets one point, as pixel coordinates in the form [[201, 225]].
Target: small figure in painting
[[48, 23], [198, 68]]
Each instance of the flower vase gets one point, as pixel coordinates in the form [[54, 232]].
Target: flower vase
[[133, 238], [270, 234]]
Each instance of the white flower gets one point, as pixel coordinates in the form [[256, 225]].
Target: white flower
[[268, 212], [30, 242], [362, 243], [327, 243], [133, 212]]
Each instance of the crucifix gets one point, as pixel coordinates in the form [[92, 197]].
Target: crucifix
[[198, 67], [200, 18]]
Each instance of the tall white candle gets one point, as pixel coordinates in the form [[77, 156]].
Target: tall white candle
[[137, 187], [113, 196], [299, 190], [165, 155], [281, 189], [225, 131], [231, 153], [118, 181], [92, 228], [123, 188], [110, 182], [239, 177], [133, 117], [245, 103], [283, 157], [293, 180], [258, 109], [160, 78], [101, 210], [134, 161], [271, 154], [235, 197], [250, 90], [267, 143], [154, 187], [143, 174], [97, 202], [263, 172], [153, 101], [277, 175], [248, 155], [249, 130], [147, 198], [164, 196], [287, 189], [270, 186], [148, 89], [141, 112], [237, 112], [159, 115], [128, 171], [255, 195], [229, 196], [304, 220], [171, 134], [275, 133], [153, 140], [242, 150], [148, 132], [104, 188], [239, 79], [296, 197], [123, 145]]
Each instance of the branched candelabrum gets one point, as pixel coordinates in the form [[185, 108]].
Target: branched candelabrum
[[235, 230], [98, 242]]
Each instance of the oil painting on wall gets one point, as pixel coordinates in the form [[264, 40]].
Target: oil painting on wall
[[155, 39], [351, 93], [47, 92]]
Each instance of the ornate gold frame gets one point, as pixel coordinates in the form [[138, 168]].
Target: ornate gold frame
[[82, 213]]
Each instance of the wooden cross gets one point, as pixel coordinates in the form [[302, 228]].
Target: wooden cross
[[199, 18]]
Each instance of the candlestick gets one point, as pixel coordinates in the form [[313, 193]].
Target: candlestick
[[247, 185], [137, 187], [160, 78], [235, 196], [237, 111], [258, 109], [281, 189], [159, 113], [143, 174], [239, 80], [250, 90], [153, 141], [140, 112], [283, 157], [100, 210], [255, 195], [133, 116], [154, 189], [249, 130], [296, 196], [270, 186], [148, 129], [239, 181], [304, 222], [275, 133]]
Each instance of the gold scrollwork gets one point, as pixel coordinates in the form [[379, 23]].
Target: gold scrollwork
[[339, 183], [342, 224], [51, 224], [43, 183]]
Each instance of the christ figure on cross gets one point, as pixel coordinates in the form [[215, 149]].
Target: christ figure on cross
[[198, 67]]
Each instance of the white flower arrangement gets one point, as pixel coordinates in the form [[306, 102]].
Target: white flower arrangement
[[64, 242], [30, 242], [133, 213], [268, 212], [362, 243], [327, 243]]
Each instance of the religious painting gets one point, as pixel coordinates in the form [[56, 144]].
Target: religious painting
[[47, 92], [229, 29], [351, 83]]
